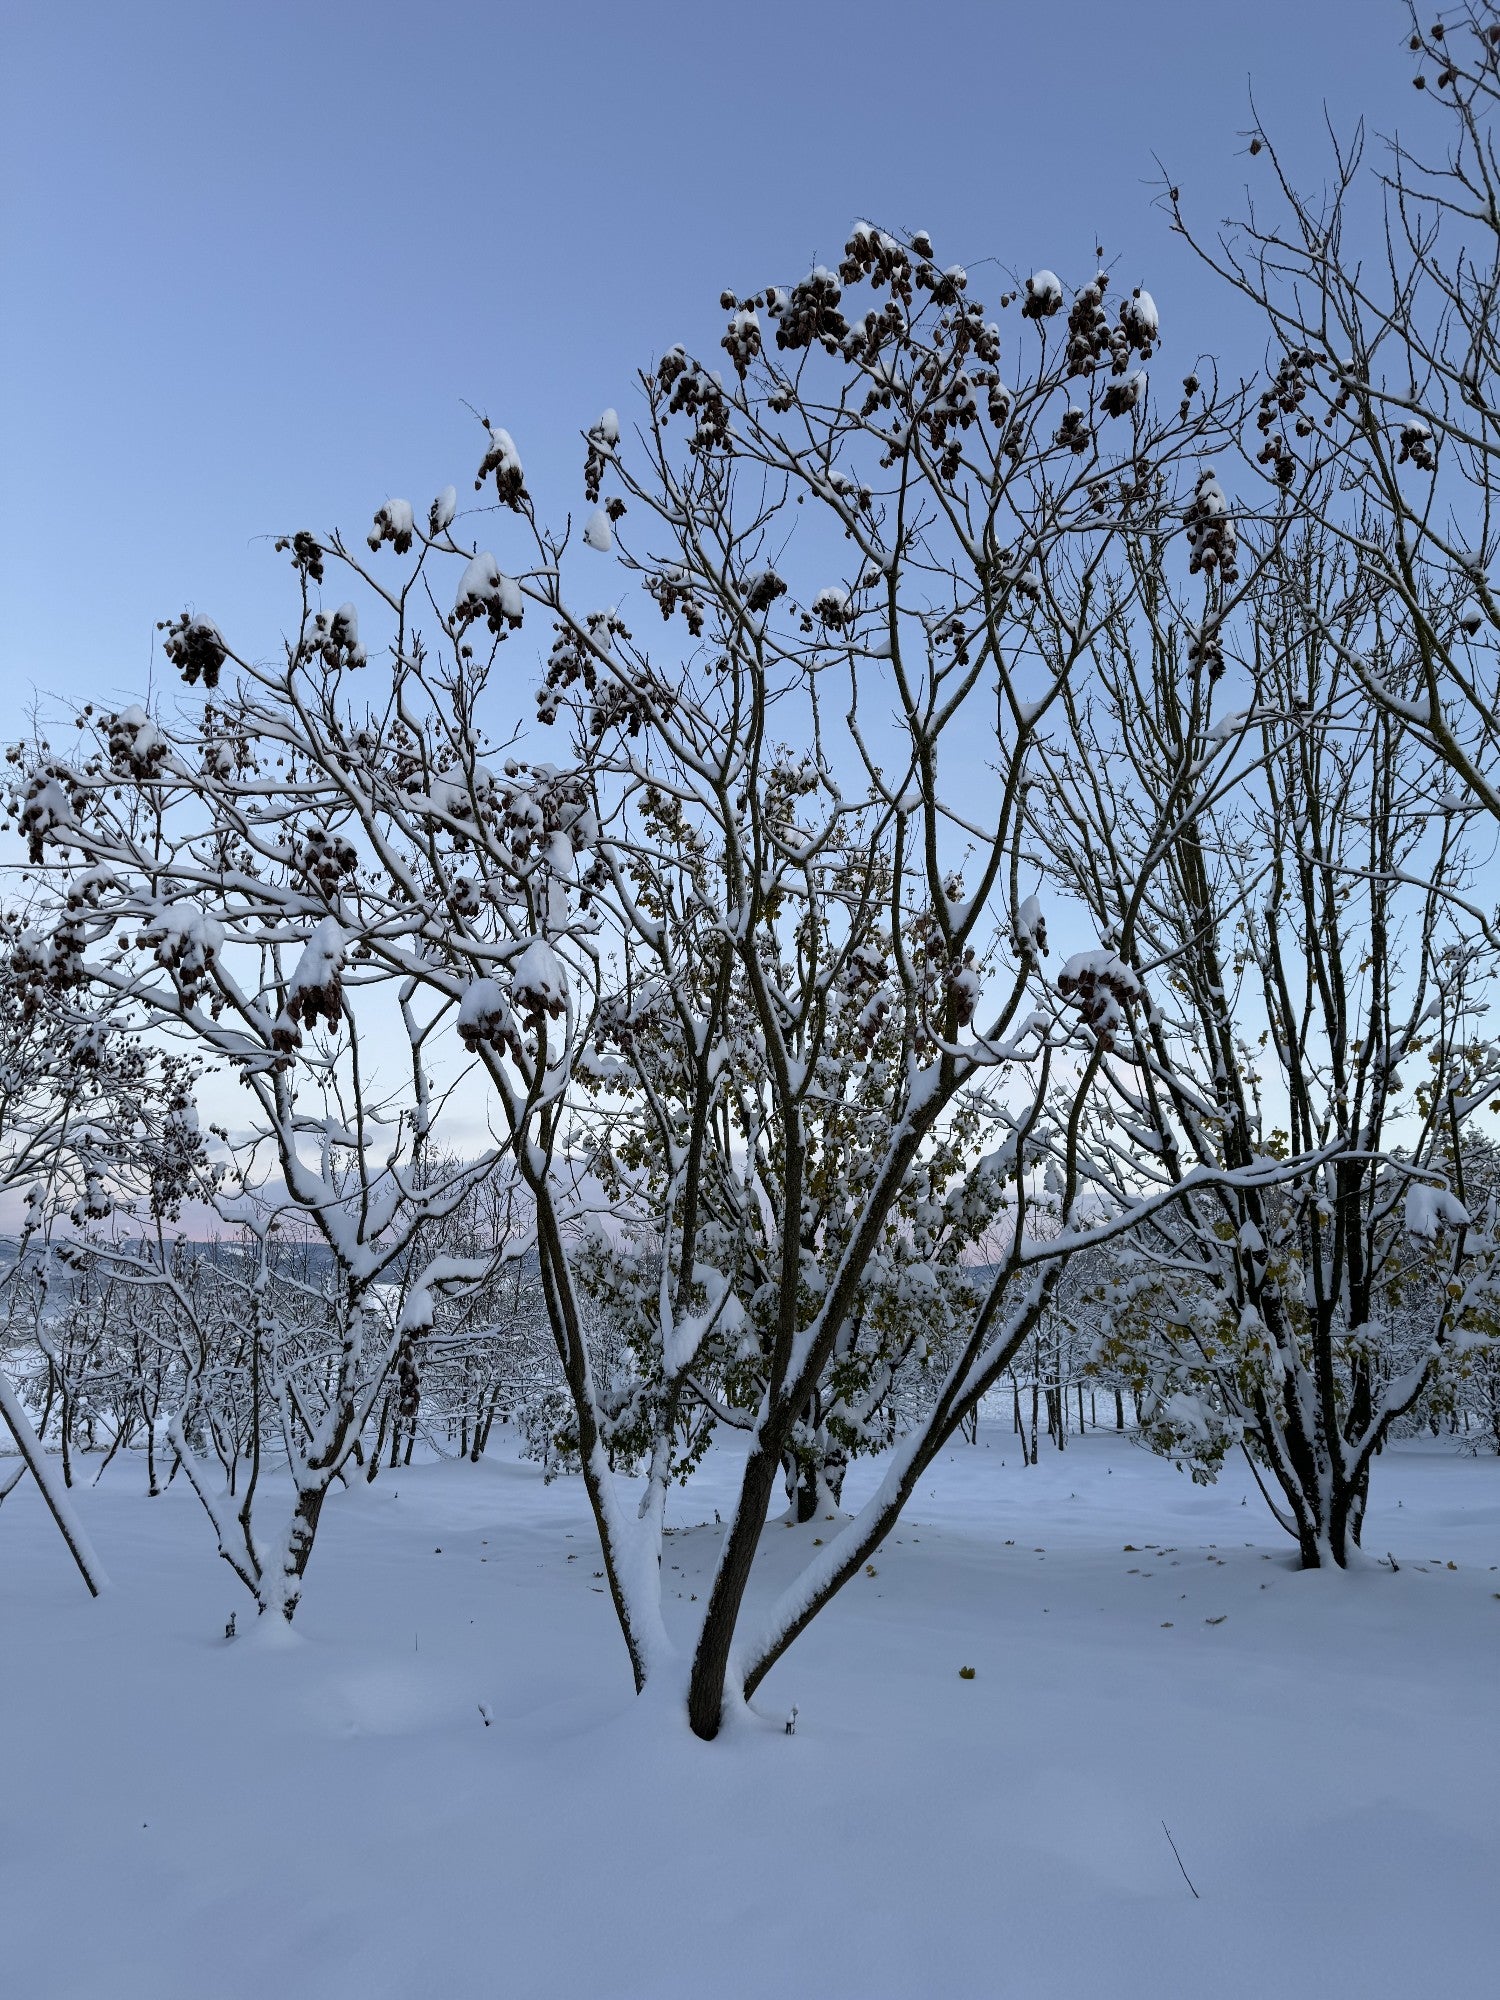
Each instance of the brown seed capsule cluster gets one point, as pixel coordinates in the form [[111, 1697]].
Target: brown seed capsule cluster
[[136, 746], [573, 662], [502, 462], [1124, 394], [763, 590], [1284, 398], [183, 943], [952, 633], [1206, 649], [673, 591], [871, 253], [325, 859], [1029, 932], [810, 312], [625, 1022], [194, 647], [1102, 987], [393, 524], [36, 965], [1044, 296], [961, 987], [1001, 403], [627, 703], [625, 699], [1088, 328], [602, 439], [52, 800], [536, 987], [1092, 341], [333, 637], [742, 340], [1074, 431], [312, 996], [1139, 325], [486, 1021], [485, 591], [1417, 447], [832, 608], [95, 1202], [693, 392], [307, 556], [1210, 529]]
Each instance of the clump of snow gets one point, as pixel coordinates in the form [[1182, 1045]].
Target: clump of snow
[[185, 940], [484, 1017], [1103, 987], [1142, 323], [1431, 1210], [393, 524], [832, 607], [1125, 393], [1211, 534], [1031, 927], [441, 1274], [1226, 728], [484, 590], [1417, 447], [442, 511], [336, 638], [1044, 295], [503, 462], [538, 983], [135, 742], [48, 809], [314, 991]]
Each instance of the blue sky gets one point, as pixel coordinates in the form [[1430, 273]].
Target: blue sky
[[256, 257]]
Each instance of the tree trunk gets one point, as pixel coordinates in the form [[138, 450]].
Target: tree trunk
[[61, 1508], [711, 1659]]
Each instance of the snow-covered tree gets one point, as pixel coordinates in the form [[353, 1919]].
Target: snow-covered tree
[[834, 1048], [212, 900], [1381, 295], [1310, 982], [87, 1112], [756, 972]]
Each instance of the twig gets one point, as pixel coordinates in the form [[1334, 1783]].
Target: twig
[[1173, 1845]]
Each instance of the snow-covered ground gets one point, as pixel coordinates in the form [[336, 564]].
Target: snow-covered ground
[[331, 1816]]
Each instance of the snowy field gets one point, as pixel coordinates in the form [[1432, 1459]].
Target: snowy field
[[330, 1815]]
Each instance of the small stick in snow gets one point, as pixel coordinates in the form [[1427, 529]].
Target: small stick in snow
[[1173, 1845]]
